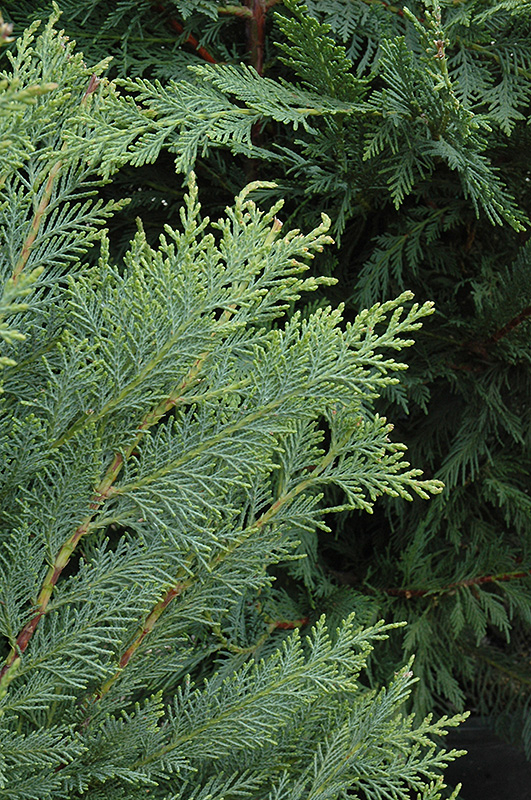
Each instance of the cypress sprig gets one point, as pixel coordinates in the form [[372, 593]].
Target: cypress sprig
[[169, 435]]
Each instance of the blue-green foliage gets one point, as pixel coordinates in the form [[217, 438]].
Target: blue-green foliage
[[168, 436], [407, 125]]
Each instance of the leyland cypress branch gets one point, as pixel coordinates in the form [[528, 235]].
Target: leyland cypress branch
[[42, 208], [185, 581], [267, 517], [146, 629], [109, 612], [511, 674], [37, 220], [105, 488], [490, 53], [168, 403], [229, 430], [483, 347], [101, 494]]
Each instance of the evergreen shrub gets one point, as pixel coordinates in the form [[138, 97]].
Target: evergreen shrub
[[408, 125], [171, 441]]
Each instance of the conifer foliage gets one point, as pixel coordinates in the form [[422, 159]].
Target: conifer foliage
[[407, 124], [170, 439]]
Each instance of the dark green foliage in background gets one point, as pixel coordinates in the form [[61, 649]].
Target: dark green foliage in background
[[408, 126]]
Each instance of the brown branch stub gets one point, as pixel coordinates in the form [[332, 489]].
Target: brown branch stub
[[91, 88]]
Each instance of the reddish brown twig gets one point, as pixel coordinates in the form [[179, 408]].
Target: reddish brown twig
[[149, 623], [289, 625], [512, 324], [481, 349], [255, 24], [452, 587], [190, 40]]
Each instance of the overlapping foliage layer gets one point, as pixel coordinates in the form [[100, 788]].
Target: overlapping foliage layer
[[171, 440], [408, 126]]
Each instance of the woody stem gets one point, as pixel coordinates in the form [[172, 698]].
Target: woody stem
[[506, 576]]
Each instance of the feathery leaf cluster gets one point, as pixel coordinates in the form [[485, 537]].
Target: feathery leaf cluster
[[169, 436], [407, 125]]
